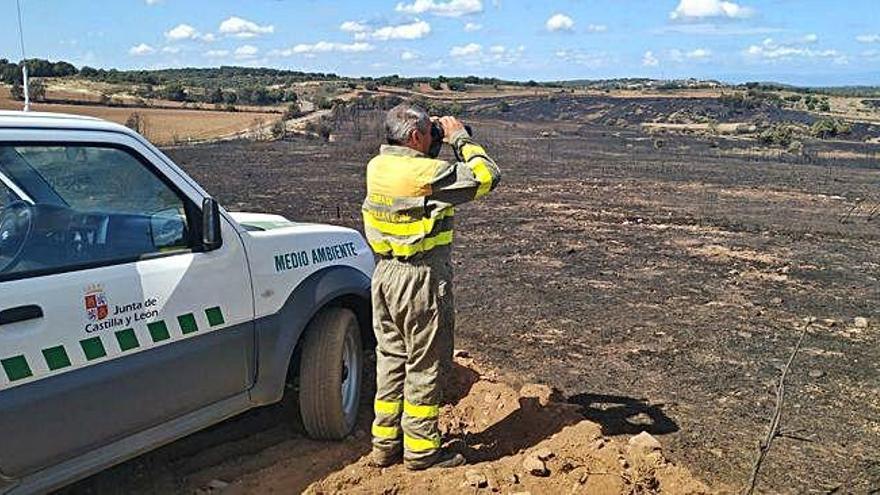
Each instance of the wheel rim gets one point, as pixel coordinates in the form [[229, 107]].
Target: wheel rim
[[350, 375]]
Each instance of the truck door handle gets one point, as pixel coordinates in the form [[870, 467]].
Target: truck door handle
[[21, 313]]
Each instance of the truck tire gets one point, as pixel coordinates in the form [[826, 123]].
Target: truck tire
[[331, 374]]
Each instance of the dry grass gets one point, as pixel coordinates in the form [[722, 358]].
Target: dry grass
[[162, 126]]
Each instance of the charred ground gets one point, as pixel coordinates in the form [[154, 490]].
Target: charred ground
[[659, 287]]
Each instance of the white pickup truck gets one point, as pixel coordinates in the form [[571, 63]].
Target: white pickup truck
[[134, 310]]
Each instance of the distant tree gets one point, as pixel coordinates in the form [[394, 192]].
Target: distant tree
[[457, 86], [371, 86], [828, 128], [174, 92], [230, 98], [278, 129], [293, 111], [63, 69], [436, 85], [504, 107], [137, 123], [10, 73], [325, 104], [290, 95], [16, 91], [215, 96], [89, 72], [36, 90]]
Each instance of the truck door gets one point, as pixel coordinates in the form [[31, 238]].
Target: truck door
[[113, 318]]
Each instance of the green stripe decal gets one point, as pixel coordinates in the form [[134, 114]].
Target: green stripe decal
[[188, 323], [56, 358], [127, 340], [158, 331], [215, 316], [16, 368], [93, 348]]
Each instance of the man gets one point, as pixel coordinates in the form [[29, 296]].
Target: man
[[408, 219]]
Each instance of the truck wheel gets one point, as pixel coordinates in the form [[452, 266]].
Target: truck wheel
[[330, 374]]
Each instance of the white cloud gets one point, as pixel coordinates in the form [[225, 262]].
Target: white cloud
[[711, 29], [587, 59], [597, 28], [770, 50], [353, 27], [243, 28], [466, 50], [415, 30], [186, 32], [217, 53], [181, 32], [171, 49], [475, 55], [450, 8], [649, 60], [701, 9], [471, 27], [872, 55], [559, 22], [153, 2], [246, 51], [868, 38], [810, 38], [324, 47], [142, 49], [699, 54], [407, 55]]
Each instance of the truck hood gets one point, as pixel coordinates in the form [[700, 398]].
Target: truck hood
[[282, 254], [261, 221]]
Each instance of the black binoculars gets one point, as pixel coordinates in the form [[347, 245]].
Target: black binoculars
[[437, 135]]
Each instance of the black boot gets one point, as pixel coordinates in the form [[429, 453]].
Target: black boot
[[443, 459]]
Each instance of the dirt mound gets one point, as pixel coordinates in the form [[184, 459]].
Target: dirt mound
[[522, 441]]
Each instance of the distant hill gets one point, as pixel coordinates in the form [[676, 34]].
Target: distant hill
[[266, 86]]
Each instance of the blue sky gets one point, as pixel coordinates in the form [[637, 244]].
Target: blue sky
[[816, 42]]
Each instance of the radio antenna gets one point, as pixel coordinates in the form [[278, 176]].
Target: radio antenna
[[24, 72]]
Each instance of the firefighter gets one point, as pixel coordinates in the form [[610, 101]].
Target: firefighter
[[408, 219]]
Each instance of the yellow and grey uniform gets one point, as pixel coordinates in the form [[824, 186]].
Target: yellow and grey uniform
[[408, 218]]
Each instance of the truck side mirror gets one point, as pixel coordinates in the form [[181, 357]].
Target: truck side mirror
[[211, 238]]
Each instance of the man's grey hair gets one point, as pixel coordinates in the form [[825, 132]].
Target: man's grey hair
[[402, 120]]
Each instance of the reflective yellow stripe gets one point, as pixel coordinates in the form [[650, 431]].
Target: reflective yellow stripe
[[383, 246], [425, 412], [420, 445], [484, 176], [387, 407], [417, 227], [385, 431]]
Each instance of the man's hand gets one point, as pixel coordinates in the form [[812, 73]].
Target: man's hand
[[451, 126]]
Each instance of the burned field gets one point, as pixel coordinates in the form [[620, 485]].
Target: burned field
[[661, 288]]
